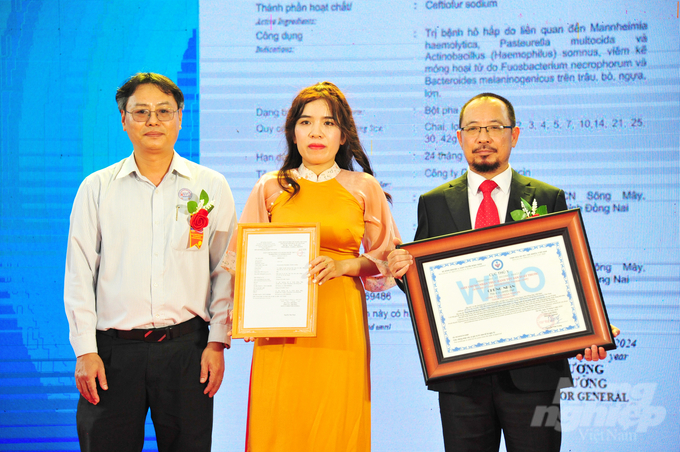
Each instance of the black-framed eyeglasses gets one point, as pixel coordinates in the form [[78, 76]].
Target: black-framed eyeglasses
[[143, 114], [494, 130]]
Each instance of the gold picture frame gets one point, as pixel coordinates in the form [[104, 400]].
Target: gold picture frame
[[273, 297]]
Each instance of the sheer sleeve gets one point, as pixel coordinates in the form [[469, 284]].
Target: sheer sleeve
[[379, 226], [256, 210]]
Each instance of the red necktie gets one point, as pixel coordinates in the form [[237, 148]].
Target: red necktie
[[487, 215]]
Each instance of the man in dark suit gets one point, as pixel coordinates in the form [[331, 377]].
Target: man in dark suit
[[474, 410]]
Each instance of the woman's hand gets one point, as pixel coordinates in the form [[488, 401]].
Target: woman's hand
[[323, 269], [247, 339]]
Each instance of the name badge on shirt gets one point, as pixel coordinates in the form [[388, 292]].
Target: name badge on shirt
[[195, 238]]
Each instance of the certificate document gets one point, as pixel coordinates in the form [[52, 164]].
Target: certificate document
[[504, 296], [276, 281], [273, 295]]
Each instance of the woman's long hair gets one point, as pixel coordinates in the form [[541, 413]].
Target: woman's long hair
[[349, 152]]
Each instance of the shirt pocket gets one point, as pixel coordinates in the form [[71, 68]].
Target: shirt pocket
[[180, 233]]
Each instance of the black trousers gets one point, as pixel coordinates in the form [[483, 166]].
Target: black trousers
[[472, 420], [162, 376]]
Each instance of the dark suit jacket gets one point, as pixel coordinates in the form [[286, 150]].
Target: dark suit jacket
[[445, 210]]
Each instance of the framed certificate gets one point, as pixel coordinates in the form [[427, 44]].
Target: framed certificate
[[505, 296], [273, 296]]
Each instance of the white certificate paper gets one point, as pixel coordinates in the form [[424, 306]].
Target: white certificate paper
[[276, 283], [506, 296]]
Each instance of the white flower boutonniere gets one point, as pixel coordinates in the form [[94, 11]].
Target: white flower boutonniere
[[528, 210]]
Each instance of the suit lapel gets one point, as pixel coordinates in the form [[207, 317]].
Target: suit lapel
[[519, 188], [457, 200]]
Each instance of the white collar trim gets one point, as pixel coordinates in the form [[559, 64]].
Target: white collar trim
[[329, 174]]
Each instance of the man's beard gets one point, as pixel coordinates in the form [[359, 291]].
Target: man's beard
[[485, 167]]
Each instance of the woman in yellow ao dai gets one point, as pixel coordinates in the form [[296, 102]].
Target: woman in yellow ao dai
[[314, 394]]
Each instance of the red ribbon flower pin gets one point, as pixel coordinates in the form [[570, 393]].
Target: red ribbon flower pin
[[199, 218]]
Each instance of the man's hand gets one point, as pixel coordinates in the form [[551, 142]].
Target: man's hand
[[594, 353], [399, 261], [89, 367], [212, 364]]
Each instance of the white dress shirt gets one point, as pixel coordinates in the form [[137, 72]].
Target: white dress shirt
[[500, 194], [128, 264]]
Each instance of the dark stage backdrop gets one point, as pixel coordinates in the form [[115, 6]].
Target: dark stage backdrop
[[597, 95]]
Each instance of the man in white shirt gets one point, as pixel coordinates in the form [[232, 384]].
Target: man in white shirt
[[143, 282]]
